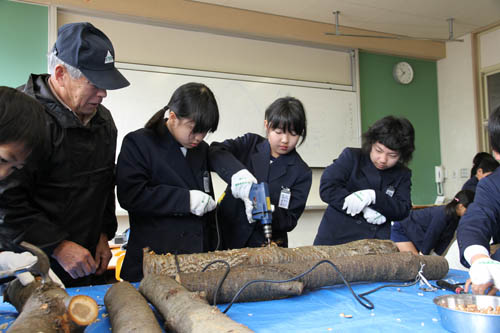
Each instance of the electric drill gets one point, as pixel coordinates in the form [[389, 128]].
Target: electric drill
[[259, 195]]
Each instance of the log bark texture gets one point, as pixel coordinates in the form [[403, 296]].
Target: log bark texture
[[129, 311], [401, 266], [186, 311], [188, 263], [44, 308]]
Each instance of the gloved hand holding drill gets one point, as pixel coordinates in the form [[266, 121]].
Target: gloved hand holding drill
[[241, 183]]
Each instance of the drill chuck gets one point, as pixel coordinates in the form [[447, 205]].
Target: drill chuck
[[268, 232]]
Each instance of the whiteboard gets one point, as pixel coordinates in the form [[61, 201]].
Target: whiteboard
[[332, 110]]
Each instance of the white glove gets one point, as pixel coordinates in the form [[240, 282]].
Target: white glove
[[200, 203], [241, 183], [372, 216], [10, 261], [485, 270], [355, 202]]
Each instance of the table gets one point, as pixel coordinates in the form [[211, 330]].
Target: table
[[408, 309]]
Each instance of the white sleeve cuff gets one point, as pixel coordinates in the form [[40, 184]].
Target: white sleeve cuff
[[472, 250]]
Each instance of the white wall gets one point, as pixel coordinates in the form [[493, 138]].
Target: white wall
[[457, 121], [489, 48]]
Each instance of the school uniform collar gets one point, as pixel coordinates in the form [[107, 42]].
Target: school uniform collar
[[175, 157], [261, 166], [370, 171]]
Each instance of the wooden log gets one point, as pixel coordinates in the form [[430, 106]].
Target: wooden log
[[207, 282], [129, 311], [185, 311], [401, 266], [48, 308], [166, 264]]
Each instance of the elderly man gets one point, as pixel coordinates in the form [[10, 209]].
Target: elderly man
[[64, 201]]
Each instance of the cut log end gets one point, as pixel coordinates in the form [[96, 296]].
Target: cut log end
[[83, 310]]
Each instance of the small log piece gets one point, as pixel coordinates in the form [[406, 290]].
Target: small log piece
[[401, 266], [129, 311], [188, 263], [48, 308], [185, 311]]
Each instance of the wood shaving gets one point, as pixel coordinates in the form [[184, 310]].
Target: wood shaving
[[474, 308]]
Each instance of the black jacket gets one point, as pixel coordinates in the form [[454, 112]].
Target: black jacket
[[253, 152], [354, 171], [153, 183], [68, 194]]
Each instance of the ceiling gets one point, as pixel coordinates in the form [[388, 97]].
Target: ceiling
[[414, 18]]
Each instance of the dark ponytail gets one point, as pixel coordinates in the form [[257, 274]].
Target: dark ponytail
[[464, 197], [193, 101]]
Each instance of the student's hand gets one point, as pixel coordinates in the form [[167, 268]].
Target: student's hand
[[241, 183], [484, 273], [372, 216], [75, 259], [10, 261], [200, 203], [355, 202], [102, 254]]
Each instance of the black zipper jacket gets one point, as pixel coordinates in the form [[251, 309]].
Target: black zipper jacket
[[66, 190]]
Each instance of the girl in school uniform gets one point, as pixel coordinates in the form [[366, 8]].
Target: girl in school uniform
[[431, 228], [251, 159], [163, 179], [367, 188]]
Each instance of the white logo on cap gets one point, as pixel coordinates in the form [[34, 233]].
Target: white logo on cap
[[109, 58]]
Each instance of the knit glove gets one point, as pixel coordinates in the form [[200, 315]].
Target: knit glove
[[241, 183], [355, 202], [485, 270], [372, 216], [200, 203], [10, 261]]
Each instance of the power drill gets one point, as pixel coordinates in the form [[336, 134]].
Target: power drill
[[259, 195]]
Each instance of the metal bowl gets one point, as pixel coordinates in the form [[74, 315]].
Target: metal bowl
[[462, 321]]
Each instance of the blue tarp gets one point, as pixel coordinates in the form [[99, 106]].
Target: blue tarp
[[407, 309]]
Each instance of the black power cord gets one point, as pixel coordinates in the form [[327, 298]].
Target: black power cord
[[360, 298]]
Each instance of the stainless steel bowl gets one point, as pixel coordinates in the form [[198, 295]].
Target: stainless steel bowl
[[461, 321]]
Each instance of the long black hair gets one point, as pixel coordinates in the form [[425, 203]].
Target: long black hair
[[22, 119], [287, 114], [395, 133], [194, 101], [464, 197]]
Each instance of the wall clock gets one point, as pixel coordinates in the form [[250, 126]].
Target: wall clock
[[402, 72]]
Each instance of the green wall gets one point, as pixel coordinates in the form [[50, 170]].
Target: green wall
[[23, 40], [381, 95]]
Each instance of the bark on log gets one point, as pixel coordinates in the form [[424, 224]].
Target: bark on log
[[48, 308], [207, 282], [166, 264], [185, 311], [129, 311], [401, 266]]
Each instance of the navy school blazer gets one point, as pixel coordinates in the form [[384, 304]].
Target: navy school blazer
[[430, 229], [253, 152], [354, 171], [153, 183], [481, 222]]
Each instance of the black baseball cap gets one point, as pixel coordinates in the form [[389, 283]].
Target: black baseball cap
[[87, 48]]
